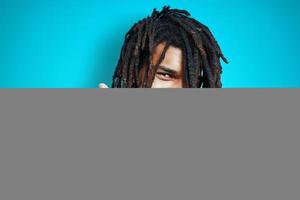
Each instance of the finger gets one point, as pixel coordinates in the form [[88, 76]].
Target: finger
[[102, 85]]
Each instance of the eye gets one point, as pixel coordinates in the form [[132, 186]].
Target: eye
[[164, 76]]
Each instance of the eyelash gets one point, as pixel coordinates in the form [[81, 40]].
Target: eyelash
[[163, 74]]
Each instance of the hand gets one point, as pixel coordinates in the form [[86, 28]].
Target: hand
[[102, 85]]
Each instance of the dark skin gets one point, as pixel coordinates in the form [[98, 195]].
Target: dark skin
[[170, 71]]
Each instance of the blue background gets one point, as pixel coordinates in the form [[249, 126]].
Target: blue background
[[76, 44]]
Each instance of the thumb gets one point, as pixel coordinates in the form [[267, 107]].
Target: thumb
[[102, 85]]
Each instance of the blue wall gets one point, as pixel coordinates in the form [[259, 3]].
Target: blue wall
[[76, 44]]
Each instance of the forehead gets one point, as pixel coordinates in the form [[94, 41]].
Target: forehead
[[173, 57]]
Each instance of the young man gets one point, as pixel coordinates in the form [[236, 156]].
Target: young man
[[169, 49]]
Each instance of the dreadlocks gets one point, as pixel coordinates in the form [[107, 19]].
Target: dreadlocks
[[201, 52]]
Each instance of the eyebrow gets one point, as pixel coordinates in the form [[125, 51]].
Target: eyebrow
[[168, 70]]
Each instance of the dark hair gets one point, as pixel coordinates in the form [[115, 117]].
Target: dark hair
[[201, 52]]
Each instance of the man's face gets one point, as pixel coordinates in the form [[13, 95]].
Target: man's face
[[169, 73]]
